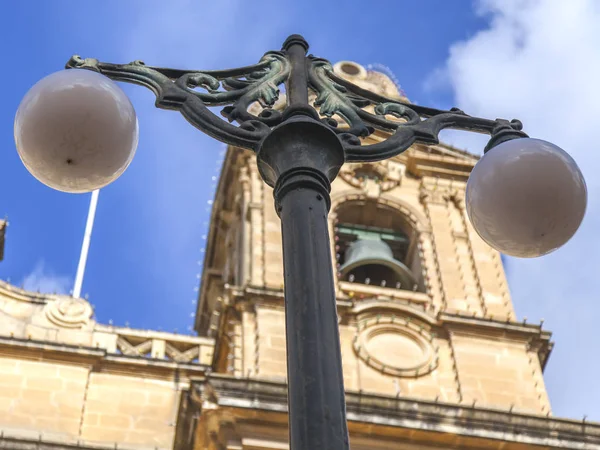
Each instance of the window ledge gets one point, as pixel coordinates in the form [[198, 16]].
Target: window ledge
[[355, 290]]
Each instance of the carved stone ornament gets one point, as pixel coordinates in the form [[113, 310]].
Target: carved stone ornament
[[386, 175], [68, 312], [435, 196], [396, 346]]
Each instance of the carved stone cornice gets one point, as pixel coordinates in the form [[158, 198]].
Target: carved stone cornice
[[415, 421], [357, 291], [22, 440], [246, 299], [99, 358], [15, 293], [537, 339], [423, 161]]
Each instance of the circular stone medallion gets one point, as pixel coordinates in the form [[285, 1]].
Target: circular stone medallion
[[396, 348]]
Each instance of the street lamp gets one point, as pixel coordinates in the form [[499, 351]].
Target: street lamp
[[76, 131]]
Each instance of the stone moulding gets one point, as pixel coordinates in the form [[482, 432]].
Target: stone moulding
[[358, 292], [98, 356], [30, 440], [60, 321], [425, 420], [537, 338], [15, 293]]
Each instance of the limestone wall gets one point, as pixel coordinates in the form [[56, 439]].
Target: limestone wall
[[72, 401], [65, 378], [70, 395], [42, 395], [490, 368]]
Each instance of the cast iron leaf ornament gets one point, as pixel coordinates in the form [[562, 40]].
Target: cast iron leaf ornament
[[352, 112]]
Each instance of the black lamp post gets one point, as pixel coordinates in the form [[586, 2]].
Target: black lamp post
[[76, 131]]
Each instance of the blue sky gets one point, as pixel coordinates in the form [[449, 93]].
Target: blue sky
[[535, 60]]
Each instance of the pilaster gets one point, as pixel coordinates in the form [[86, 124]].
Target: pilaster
[[436, 198]]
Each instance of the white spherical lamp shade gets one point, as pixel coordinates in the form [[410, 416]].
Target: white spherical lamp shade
[[76, 130], [526, 197]]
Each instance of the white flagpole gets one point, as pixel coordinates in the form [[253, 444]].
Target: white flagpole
[[86, 244]]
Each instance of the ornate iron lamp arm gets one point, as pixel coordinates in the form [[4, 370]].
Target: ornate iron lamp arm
[[414, 123], [427, 132], [237, 88], [192, 92]]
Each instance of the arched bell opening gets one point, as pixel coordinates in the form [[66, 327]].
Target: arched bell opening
[[376, 245]]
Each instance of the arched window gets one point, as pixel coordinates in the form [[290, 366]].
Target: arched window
[[376, 245]]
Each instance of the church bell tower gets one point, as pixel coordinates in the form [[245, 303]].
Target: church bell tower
[[432, 351]]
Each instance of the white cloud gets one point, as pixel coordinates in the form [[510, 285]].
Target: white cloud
[[42, 279], [538, 61]]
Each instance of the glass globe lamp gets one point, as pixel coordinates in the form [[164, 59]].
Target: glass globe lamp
[[526, 197], [76, 130]]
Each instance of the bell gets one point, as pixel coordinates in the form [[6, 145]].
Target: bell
[[373, 259]]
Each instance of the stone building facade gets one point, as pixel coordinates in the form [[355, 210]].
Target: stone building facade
[[433, 353]]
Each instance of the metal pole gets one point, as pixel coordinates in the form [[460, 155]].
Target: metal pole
[[86, 244], [317, 408], [299, 159]]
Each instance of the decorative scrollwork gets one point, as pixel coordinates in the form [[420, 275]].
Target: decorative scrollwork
[[413, 123], [358, 175], [194, 92], [68, 312], [361, 111]]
